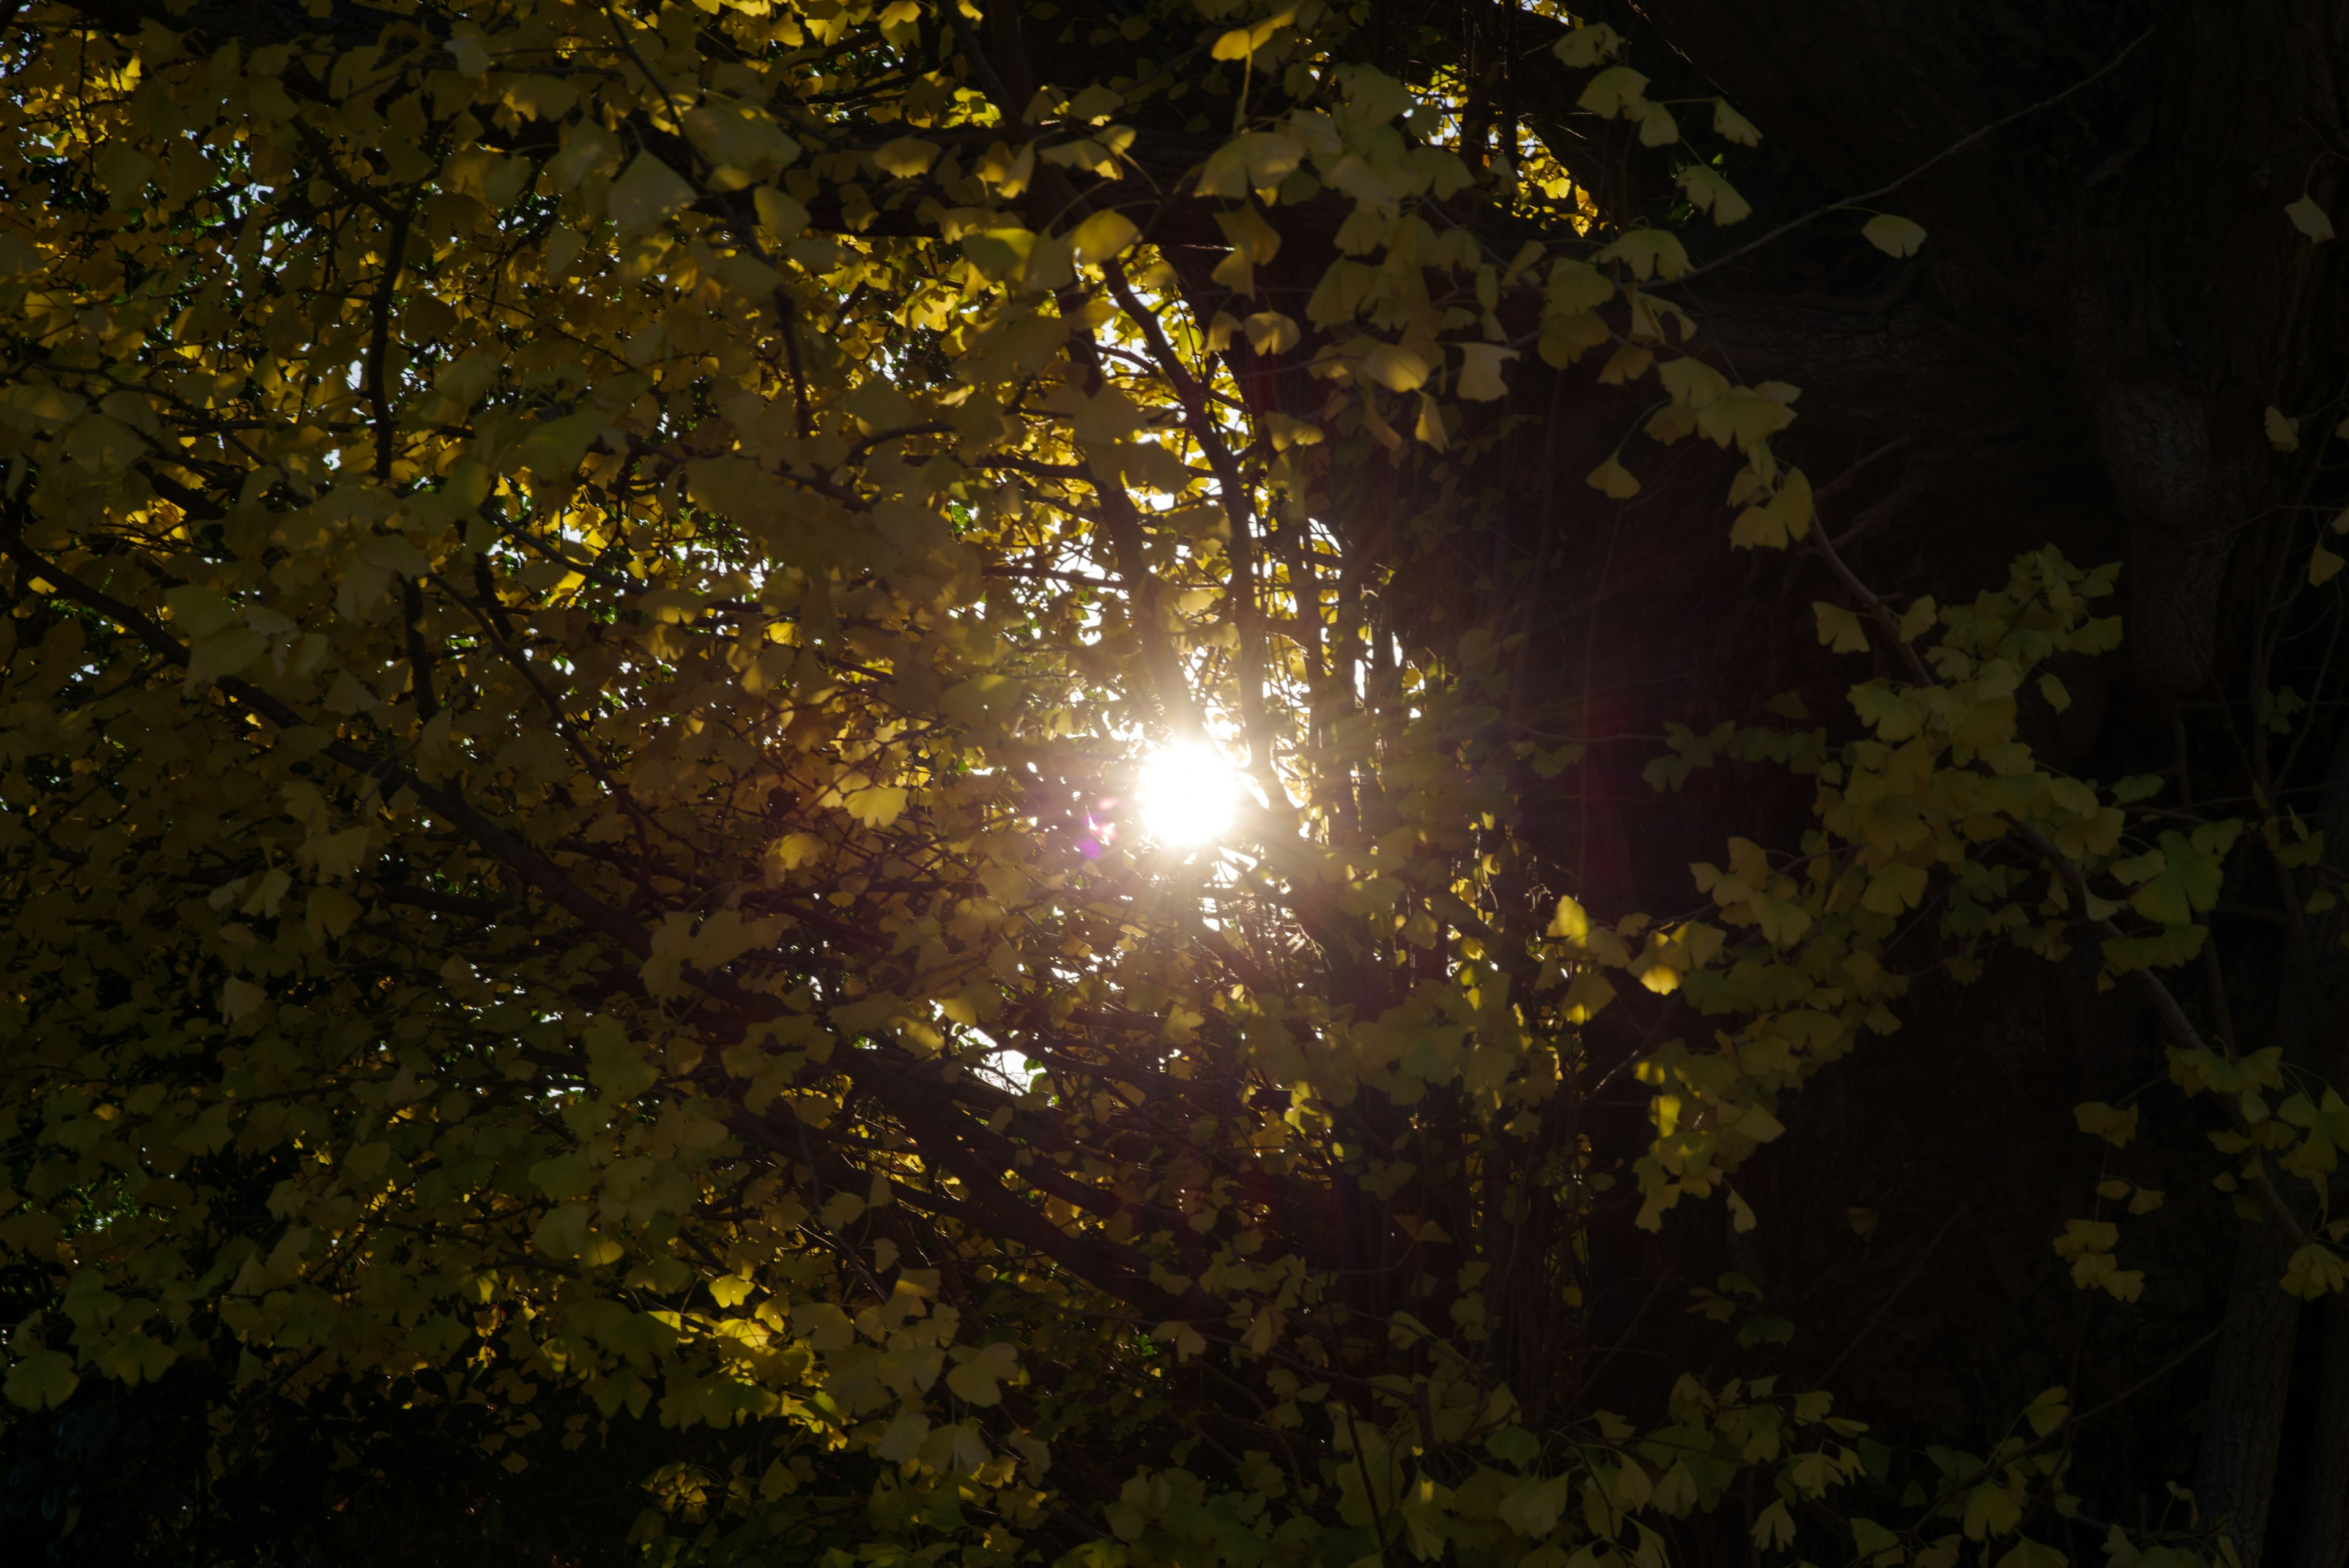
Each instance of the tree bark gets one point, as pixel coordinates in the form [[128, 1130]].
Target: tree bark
[[2242, 1430], [2323, 1536]]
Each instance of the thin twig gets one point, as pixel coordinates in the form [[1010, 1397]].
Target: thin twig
[[1906, 1281], [1953, 149]]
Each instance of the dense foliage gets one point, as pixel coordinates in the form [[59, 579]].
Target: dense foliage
[[591, 588]]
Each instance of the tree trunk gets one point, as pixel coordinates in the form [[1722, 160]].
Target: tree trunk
[[2243, 1428], [2323, 1536]]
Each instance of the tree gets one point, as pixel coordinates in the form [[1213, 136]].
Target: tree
[[592, 590]]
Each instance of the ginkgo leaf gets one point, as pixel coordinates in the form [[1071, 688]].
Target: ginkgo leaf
[[1991, 1512], [1391, 366], [1895, 236], [875, 805], [906, 157], [2316, 1270], [1270, 332], [2282, 432], [975, 1379], [2323, 566], [1186, 1340], [238, 998], [2310, 219], [1742, 415], [1649, 252], [1614, 480], [1610, 92], [2101, 1120], [1732, 126], [1839, 628], [470, 55], [1481, 368], [1429, 430], [1693, 383], [647, 193], [778, 214], [1657, 126], [1257, 160], [1585, 46], [1669, 423], [999, 253], [2029, 1554], [42, 1380], [1102, 236], [1709, 192]]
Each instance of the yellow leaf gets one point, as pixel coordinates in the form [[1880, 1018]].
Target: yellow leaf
[[2030, 1553], [1708, 192], [2310, 219], [905, 157], [1612, 90], [1895, 236], [778, 214], [1774, 1526], [648, 192], [1627, 364], [1745, 416], [2322, 566], [36, 405], [1732, 126], [1258, 161], [1839, 628], [471, 58], [1235, 45], [1187, 1341], [239, 997], [1613, 480], [1102, 236], [1270, 332], [1657, 126], [1481, 368], [1430, 430], [974, 1381], [875, 805], [2100, 1120], [1585, 46], [1390, 366], [2283, 433], [1649, 252], [1693, 383], [1671, 423], [43, 1380], [999, 253]]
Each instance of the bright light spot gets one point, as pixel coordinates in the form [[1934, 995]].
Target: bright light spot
[[1186, 795]]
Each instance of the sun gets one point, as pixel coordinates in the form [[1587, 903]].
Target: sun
[[1186, 795]]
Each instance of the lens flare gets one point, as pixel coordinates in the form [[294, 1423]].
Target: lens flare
[[1186, 795]]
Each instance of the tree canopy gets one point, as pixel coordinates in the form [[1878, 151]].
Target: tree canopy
[[597, 595]]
